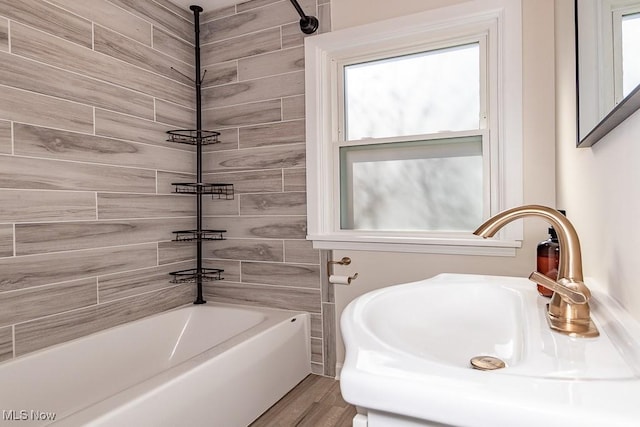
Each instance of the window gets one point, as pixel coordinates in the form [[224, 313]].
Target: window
[[420, 174], [407, 130]]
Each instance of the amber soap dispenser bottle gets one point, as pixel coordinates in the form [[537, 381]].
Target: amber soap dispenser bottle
[[548, 259]]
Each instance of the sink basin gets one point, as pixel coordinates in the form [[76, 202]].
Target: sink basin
[[486, 320], [408, 351]]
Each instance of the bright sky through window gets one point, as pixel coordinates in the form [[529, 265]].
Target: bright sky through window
[[415, 94]]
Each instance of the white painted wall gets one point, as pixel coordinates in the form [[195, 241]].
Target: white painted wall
[[378, 269], [599, 186]]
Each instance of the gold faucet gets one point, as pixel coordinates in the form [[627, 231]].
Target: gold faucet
[[568, 311]]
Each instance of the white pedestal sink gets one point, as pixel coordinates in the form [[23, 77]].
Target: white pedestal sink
[[408, 349]]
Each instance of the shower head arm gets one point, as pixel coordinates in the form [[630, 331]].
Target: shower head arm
[[308, 24]]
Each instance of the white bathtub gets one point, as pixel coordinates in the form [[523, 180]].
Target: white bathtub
[[205, 365]]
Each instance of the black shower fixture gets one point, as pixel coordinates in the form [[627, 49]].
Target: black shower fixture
[[308, 24]]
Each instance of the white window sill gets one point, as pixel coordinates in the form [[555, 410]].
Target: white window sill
[[431, 245]]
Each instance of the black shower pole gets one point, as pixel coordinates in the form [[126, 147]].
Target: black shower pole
[[198, 81]]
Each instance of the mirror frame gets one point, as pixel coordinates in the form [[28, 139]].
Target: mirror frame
[[629, 105]]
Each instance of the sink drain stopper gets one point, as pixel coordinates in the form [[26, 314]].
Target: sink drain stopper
[[487, 363]]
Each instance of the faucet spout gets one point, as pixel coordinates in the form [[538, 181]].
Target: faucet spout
[[570, 255], [568, 311]]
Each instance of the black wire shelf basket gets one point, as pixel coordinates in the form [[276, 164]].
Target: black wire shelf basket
[[217, 191], [192, 235], [191, 136], [191, 275]]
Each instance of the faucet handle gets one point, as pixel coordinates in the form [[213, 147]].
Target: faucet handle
[[575, 296]]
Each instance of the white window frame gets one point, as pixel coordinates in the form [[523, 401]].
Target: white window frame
[[499, 23]]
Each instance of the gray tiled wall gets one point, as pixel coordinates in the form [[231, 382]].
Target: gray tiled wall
[[86, 214], [254, 91], [87, 93]]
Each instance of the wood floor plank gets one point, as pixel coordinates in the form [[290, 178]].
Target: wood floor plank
[[315, 402]]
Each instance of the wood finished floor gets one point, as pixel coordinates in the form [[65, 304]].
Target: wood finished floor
[[315, 402]]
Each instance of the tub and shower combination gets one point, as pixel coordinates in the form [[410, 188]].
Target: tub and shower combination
[[201, 365]]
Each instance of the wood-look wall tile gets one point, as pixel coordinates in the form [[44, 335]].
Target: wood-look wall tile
[[172, 252], [243, 115], [108, 15], [293, 275], [261, 227], [42, 174], [292, 203], [26, 206], [228, 140], [173, 46], [301, 251], [61, 145], [317, 369], [178, 10], [37, 334], [240, 47], [245, 249], [5, 137], [292, 132], [261, 181], [30, 43], [265, 296], [120, 126], [253, 20], [6, 343], [221, 207], [6, 240], [231, 268], [4, 34], [165, 180], [254, 90], [121, 285], [36, 270], [221, 73], [210, 15], [316, 350], [277, 157], [175, 22], [316, 325], [68, 236], [252, 4], [269, 64], [127, 50], [32, 303], [328, 290], [175, 115], [293, 107], [33, 76], [49, 18], [292, 36], [30, 107], [295, 179], [329, 339], [119, 206]]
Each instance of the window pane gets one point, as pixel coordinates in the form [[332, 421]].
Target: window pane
[[630, 56], [415, 94], [421, 185]]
